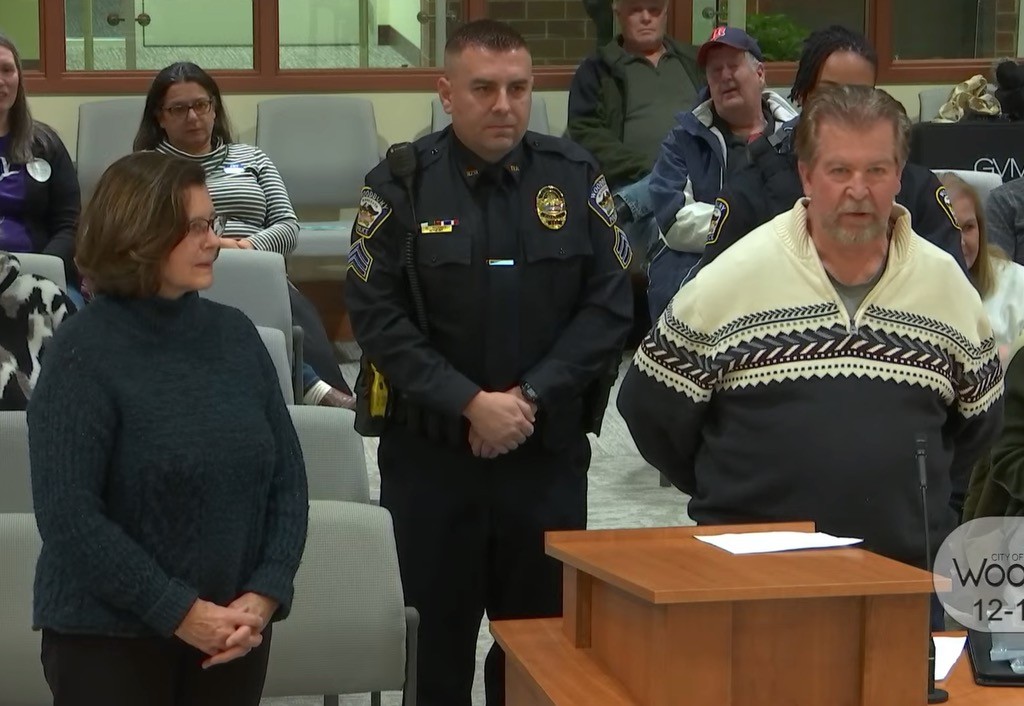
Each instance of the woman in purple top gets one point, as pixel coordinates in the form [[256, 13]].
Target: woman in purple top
[[39, 195]]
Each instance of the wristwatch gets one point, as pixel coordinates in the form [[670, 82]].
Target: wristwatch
[[529, 394]]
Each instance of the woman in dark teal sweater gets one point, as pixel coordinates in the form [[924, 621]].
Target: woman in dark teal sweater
[[168, 482]]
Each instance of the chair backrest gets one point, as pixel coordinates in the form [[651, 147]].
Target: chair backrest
[[346, 631], [439, 119], [930, 100], [333, 452], [323, 146], [48, 267], [277, 347], [256, 283], [15, 473], [21, 675], [106, 130], [982, 182]]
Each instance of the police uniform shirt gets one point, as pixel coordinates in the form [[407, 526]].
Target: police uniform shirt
[[546, 300]]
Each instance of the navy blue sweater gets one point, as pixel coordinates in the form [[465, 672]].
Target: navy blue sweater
[[165, 467]]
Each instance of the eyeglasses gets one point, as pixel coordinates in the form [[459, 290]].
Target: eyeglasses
[[178, 111], [199, 227]]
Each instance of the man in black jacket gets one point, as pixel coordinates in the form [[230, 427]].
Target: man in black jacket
[[623, 102], [771, 185]]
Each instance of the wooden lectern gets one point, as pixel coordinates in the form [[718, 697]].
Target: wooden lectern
[[654, 617]]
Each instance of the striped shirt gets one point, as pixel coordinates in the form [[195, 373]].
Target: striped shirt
[[247, 190]]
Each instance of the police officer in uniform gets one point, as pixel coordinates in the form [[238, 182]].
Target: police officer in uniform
[[770, 184], [488, 290]]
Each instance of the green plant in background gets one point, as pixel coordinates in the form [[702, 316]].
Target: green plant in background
[[779, 37]]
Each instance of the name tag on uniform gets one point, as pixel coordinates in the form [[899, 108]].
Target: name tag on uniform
[[234, 169], [438, 226], [501, 263]]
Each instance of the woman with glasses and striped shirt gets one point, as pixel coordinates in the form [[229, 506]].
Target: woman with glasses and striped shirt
[[185, 117]]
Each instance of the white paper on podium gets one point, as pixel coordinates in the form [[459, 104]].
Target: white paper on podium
[[764, 542], [947, 652]]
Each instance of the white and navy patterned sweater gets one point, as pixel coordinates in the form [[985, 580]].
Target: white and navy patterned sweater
[[30, 309], [758, 395]]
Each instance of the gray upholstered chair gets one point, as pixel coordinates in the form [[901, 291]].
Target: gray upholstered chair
[[48, 267], [255, 282], [323, 146], [15, 476], [349, 631], [21, 674], [106, 130], [333, 452]]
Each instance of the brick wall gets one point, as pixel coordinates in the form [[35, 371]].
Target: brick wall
[[558, 31], [1006, 27]]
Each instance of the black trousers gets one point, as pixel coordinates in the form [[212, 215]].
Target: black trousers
[[84, 670], [470, 536], [317, 350]]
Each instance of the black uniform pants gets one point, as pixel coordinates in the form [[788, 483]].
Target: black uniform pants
[[85, 670], [470, 536], [317, 350]]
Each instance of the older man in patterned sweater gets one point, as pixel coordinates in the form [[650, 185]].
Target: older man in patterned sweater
[[790, 379]]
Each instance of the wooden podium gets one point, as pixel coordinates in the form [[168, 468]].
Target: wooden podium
[[654, 617]]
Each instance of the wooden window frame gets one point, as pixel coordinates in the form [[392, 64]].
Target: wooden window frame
[[266, 77]]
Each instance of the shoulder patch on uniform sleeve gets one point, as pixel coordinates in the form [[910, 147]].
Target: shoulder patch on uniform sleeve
[[373, 211], [718, 217], [601, 201], [359, 259], [942, 196], [623, 253]]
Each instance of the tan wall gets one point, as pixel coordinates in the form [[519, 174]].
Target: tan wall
[[400, 116]]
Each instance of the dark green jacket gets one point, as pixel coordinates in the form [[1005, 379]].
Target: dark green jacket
[[997, 484], [597, 116]]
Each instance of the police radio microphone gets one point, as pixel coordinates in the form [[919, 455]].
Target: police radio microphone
[[935, 695], [402, 162]]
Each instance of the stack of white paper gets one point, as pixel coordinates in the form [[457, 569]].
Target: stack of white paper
[[763, 542]]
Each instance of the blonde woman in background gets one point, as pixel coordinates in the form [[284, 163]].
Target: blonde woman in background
[[999, 281]]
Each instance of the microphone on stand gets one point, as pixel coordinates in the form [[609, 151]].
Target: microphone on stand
[[935, 695]]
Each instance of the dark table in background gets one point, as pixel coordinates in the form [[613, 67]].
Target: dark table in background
[[980, 146]]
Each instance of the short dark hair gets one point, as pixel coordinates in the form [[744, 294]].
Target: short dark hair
[[818, 47], [150, 133], [137, 215], [485, 34], [851, 106]]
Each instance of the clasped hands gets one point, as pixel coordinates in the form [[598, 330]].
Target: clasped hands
[[499, 422], [226, 633]]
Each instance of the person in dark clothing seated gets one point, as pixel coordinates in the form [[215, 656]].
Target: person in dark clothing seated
[[167, 478], [39, 195], [770, 185]]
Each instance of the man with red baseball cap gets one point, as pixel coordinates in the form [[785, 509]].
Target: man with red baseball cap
[[705, 146]]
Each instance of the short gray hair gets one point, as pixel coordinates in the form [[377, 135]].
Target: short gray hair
[[851, 106]]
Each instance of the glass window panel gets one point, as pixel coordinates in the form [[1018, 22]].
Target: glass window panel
[[20, 22], [114, 35], [955, 29], [780, 26], [353, 34]]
